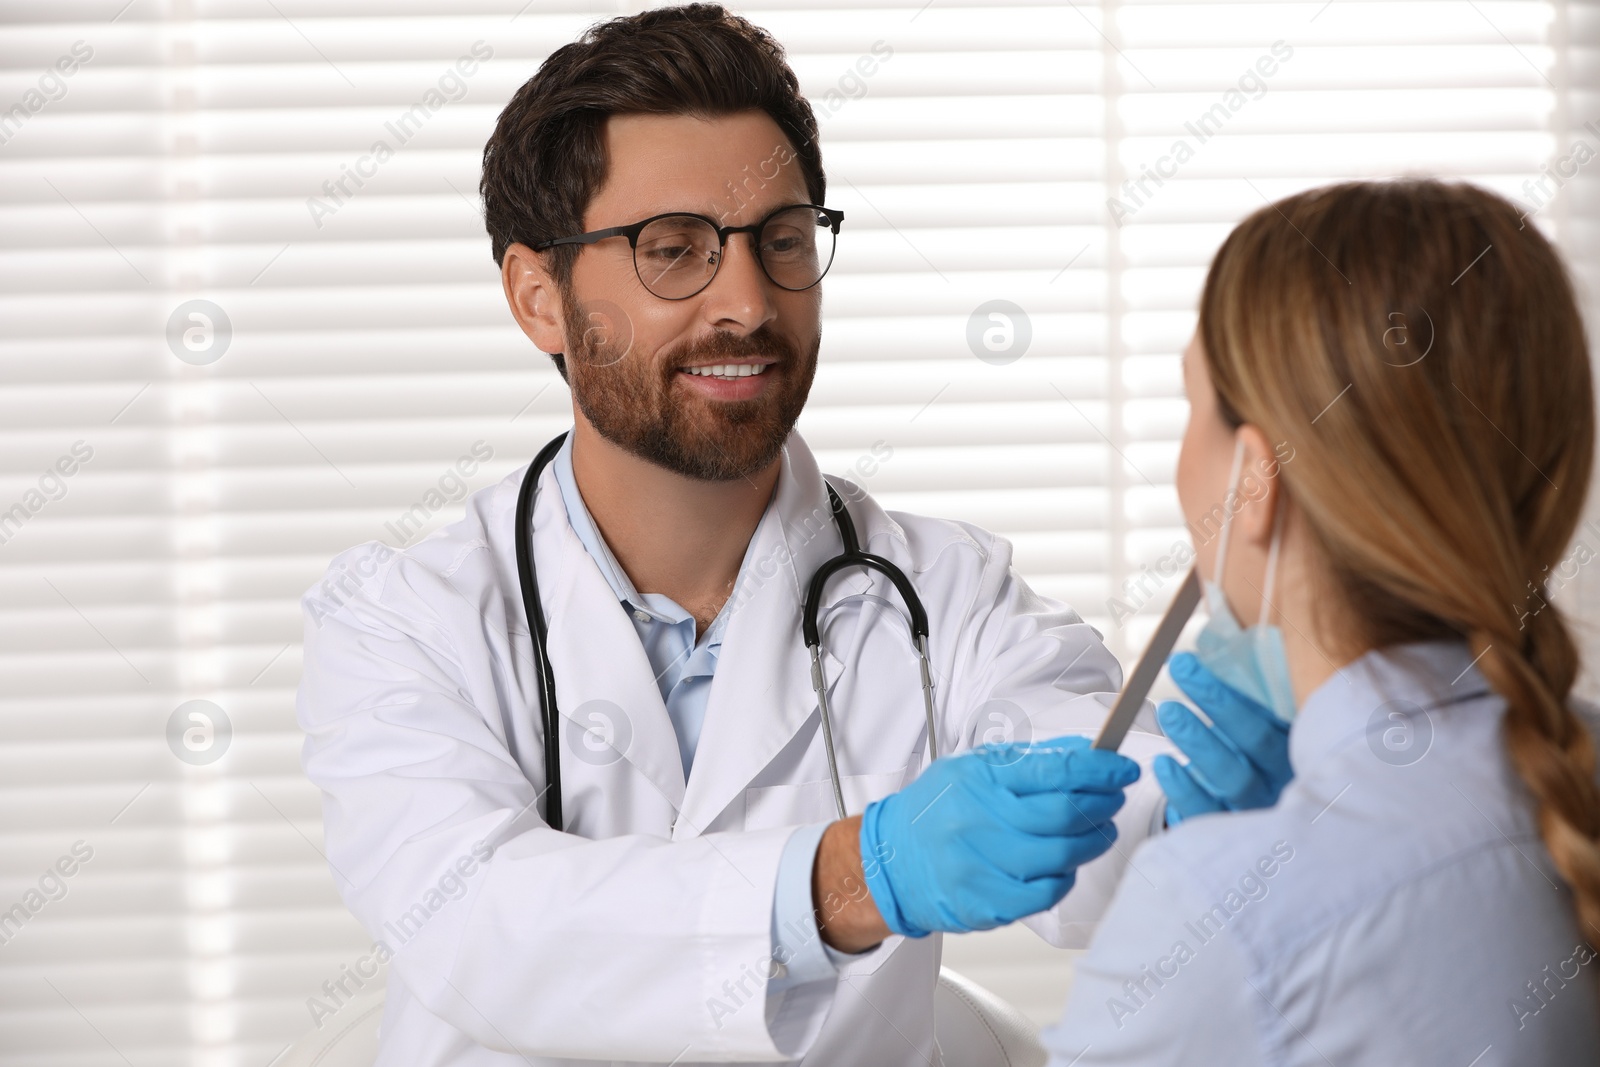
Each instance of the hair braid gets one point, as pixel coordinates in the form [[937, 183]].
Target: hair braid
[[1550, 747]]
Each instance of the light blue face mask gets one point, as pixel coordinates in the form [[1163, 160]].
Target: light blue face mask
[[1252, 660]]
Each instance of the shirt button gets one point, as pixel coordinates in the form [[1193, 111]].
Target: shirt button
[[642, 616], [779, 970]]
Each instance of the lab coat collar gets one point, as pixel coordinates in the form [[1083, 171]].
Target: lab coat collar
[[604, 680], [1359, 696], [582, 524], [762, 696]]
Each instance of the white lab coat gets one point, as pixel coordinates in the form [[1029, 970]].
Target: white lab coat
[[640, 935]]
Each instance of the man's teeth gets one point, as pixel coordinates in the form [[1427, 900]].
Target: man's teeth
[[728, 370]]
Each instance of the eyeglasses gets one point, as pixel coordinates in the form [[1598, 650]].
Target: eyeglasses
[[677, 255]]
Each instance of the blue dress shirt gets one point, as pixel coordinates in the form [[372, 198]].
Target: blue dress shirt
[[684, 668]]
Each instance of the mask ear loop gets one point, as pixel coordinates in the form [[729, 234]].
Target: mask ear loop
[[1228, 500]]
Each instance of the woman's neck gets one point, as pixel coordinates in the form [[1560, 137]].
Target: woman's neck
[[1318, 636]]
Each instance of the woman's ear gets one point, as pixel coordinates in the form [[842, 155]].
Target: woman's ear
[[534, 298], [1260, 494]]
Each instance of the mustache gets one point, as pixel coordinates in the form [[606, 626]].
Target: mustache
[[724, 344]]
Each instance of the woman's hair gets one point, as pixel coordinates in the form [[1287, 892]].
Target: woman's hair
[[1420, 347]]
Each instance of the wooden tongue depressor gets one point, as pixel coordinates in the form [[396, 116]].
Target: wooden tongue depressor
[[1139, 683]]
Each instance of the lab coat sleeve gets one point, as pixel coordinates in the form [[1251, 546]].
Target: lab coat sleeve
[[1028, 667], [1150, 992], [525, 939]]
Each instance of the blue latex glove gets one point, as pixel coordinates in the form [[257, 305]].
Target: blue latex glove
[[985, 837], [1240, 762]]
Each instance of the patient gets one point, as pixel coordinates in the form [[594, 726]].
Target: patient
[[1427, 889]]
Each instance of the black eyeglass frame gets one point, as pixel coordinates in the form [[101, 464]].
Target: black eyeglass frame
[[632, 232]]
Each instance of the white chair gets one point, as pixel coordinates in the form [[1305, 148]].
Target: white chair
[[975, 1029], [349, 1039]]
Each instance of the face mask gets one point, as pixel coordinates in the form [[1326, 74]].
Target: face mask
[[1251, 661]]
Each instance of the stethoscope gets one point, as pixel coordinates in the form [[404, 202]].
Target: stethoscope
[[852, 556]]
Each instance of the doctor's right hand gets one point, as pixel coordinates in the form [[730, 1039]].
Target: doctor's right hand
[[983, 838]]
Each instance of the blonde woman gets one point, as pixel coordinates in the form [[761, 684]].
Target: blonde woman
[[1427, 889]]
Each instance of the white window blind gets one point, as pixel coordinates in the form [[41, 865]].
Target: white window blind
[[160, 517]]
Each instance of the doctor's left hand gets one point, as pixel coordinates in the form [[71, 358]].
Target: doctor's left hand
[[986, 837], [1239, 762]]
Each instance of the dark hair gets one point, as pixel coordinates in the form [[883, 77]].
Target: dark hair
[[546, 158]]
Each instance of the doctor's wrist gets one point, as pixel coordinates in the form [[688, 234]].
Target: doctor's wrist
[[847, 917]]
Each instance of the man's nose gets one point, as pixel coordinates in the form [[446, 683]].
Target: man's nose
[[740, 296]]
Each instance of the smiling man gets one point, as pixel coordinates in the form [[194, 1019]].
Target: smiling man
[[689, 891]]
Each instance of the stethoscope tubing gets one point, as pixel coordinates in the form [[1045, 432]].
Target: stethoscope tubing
[[529, 580], [852, 556]]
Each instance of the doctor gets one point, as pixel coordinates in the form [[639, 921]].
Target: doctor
[[702, 901]]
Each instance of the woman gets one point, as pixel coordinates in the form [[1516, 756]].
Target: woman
[[1406, 363]]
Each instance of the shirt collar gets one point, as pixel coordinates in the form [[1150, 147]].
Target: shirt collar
[[660, 607], [583, 525], [1427, 675]]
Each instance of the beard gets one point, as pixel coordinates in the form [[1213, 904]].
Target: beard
[[636, 404]]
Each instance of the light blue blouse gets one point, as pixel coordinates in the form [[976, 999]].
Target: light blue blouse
[[1397, 906]]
